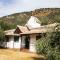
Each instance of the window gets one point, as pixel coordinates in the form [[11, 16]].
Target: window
[[16, 38], [7, 39], [38, 37]]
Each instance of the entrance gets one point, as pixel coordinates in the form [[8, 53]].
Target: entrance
[[25, 44], [27, 40]]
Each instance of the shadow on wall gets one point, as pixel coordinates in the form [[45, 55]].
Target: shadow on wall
[[2, 47], [38, 58]]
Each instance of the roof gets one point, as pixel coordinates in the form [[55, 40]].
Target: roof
[[33, 22], [42, 29], [33, 26], [52, 25], [38, 30], [22, 28], [25, 30], [10, 32]]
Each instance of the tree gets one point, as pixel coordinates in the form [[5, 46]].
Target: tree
[[6, 26], [2, 36]]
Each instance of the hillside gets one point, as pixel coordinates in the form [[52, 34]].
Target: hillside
[[45, 15]]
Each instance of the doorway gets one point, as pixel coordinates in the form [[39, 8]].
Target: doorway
[[27, 41]]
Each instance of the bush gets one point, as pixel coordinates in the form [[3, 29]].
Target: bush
[[54, 52], [49, 46], [2, 35], [53, 55], [41, 46]]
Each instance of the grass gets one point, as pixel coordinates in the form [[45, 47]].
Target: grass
[[8, 54]]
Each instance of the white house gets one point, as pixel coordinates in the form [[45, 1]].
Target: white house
[[24, 37]]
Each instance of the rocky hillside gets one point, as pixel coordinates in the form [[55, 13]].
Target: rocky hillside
[[45, 15]]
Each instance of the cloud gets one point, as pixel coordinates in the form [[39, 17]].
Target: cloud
[[13, 6]]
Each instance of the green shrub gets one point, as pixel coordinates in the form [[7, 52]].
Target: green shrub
[[53, 55], [49, 46], [2, 36], [41, 46]]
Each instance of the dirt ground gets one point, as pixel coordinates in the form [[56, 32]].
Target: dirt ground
[[8, 54]]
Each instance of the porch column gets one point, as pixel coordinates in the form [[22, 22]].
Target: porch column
[[32, 43], [20, 42]]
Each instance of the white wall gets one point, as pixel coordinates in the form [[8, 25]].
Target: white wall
[[11, 42], [32, 43], [18, 43]]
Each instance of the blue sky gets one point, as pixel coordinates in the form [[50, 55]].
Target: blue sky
[[13, 6], [6, 1]]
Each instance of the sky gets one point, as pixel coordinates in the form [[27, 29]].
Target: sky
[[8, 7]]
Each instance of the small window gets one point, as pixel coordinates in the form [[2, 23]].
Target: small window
[[38, 36], [7, 39], [16, 38]]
